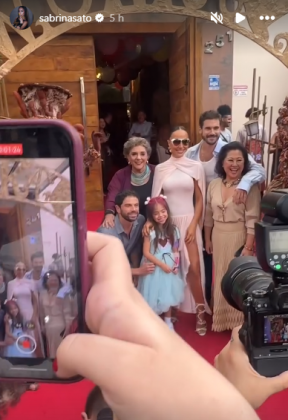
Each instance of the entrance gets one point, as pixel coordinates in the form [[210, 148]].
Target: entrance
[[153, 73]]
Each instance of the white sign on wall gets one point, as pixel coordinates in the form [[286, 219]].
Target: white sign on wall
[[240, 90]]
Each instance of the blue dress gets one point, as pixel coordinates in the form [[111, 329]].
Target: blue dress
[[161, 290], [12, 350]]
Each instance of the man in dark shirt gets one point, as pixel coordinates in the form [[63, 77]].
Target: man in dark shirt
[[128, 228]]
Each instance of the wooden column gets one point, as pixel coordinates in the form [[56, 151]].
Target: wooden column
[[63, 61]]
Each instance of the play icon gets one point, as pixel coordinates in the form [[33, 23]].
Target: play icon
[[239, 18]]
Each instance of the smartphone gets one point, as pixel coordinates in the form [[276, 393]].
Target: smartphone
[[43, 252]]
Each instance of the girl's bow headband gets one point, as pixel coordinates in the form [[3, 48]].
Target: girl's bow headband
[[149, 198]]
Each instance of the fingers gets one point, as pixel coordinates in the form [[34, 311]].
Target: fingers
[[99, 359], [279, 383], [100, 249]]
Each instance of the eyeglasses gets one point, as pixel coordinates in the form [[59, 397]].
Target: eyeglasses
[[177, 142]]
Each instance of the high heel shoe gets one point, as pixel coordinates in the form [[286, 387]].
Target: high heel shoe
[[201, 325]]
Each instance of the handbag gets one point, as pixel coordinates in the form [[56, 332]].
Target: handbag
[[169, 256]]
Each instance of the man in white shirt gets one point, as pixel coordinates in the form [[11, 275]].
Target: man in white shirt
[[37, 273], [206, 152], [225, 122], [141, 128]]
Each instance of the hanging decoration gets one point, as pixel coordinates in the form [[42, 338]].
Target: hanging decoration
[[108, 75], [134, 74], [132, 55], [153, 44], [123, 76], [107, 46], [163, 54]]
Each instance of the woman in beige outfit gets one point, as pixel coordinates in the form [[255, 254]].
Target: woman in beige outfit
[[56, 313], [232, 226]]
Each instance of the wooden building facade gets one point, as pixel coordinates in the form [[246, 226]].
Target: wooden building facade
[[65, 59]]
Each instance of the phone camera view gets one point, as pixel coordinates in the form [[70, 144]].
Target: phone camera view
[[37, 257], [276, 329]]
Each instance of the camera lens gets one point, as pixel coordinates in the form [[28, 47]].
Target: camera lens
[[243, 276]]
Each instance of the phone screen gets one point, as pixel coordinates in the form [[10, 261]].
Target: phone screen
[[39, 270]]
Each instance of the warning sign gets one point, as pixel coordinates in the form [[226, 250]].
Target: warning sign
[[240, 90]]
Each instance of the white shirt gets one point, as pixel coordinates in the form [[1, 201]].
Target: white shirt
[[209, 168], [144, 129]]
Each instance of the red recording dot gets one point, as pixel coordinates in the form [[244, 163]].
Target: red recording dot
[[26, 344]]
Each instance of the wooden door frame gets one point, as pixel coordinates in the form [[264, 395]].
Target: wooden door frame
[[195, 59]]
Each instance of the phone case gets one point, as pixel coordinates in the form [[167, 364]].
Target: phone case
[[239, 252], [79, 188]]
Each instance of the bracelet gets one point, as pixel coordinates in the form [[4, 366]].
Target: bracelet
[[248, 249]]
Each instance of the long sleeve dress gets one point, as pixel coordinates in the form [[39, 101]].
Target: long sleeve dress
[[57, 314], [175, 179], [231, 223]]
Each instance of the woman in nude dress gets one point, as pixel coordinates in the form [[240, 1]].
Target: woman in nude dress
[[56, 313], [232, 226], [23, 291], [182, 181]]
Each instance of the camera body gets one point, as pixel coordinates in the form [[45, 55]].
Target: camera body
[[259, 288]]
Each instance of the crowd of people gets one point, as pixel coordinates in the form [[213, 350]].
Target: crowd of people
[[182, 221], [37, 309]]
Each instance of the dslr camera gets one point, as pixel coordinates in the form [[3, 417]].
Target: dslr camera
[[259, 288]]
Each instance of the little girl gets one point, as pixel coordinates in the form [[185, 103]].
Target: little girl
[[163, 289], [14, 328]]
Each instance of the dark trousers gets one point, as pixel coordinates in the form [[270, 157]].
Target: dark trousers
[[208, 263]]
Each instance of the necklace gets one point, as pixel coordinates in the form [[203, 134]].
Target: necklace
[[140, 179], [230, 184]]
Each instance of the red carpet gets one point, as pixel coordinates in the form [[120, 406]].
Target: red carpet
[[63, 402]]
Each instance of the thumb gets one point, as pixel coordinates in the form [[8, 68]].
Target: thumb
[[278, 383], [99, 359]]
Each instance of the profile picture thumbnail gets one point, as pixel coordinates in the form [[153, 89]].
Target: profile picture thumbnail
[[21, 18]]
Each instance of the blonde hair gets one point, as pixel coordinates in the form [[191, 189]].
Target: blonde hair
[[134, 142]]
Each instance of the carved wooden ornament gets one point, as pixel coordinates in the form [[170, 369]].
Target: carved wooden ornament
[[253, 10]]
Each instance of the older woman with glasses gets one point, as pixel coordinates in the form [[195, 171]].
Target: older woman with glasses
[[137, 176]]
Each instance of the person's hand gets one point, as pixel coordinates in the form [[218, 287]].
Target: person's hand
[[175, 270], [234, 364], [146, 268], [132, 354], [166, 268], [147, 229], [109, 221], [208, 247], [246, 253], [239, 196], [191, 233]]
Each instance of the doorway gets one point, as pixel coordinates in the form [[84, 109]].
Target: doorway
[[153, 73]]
